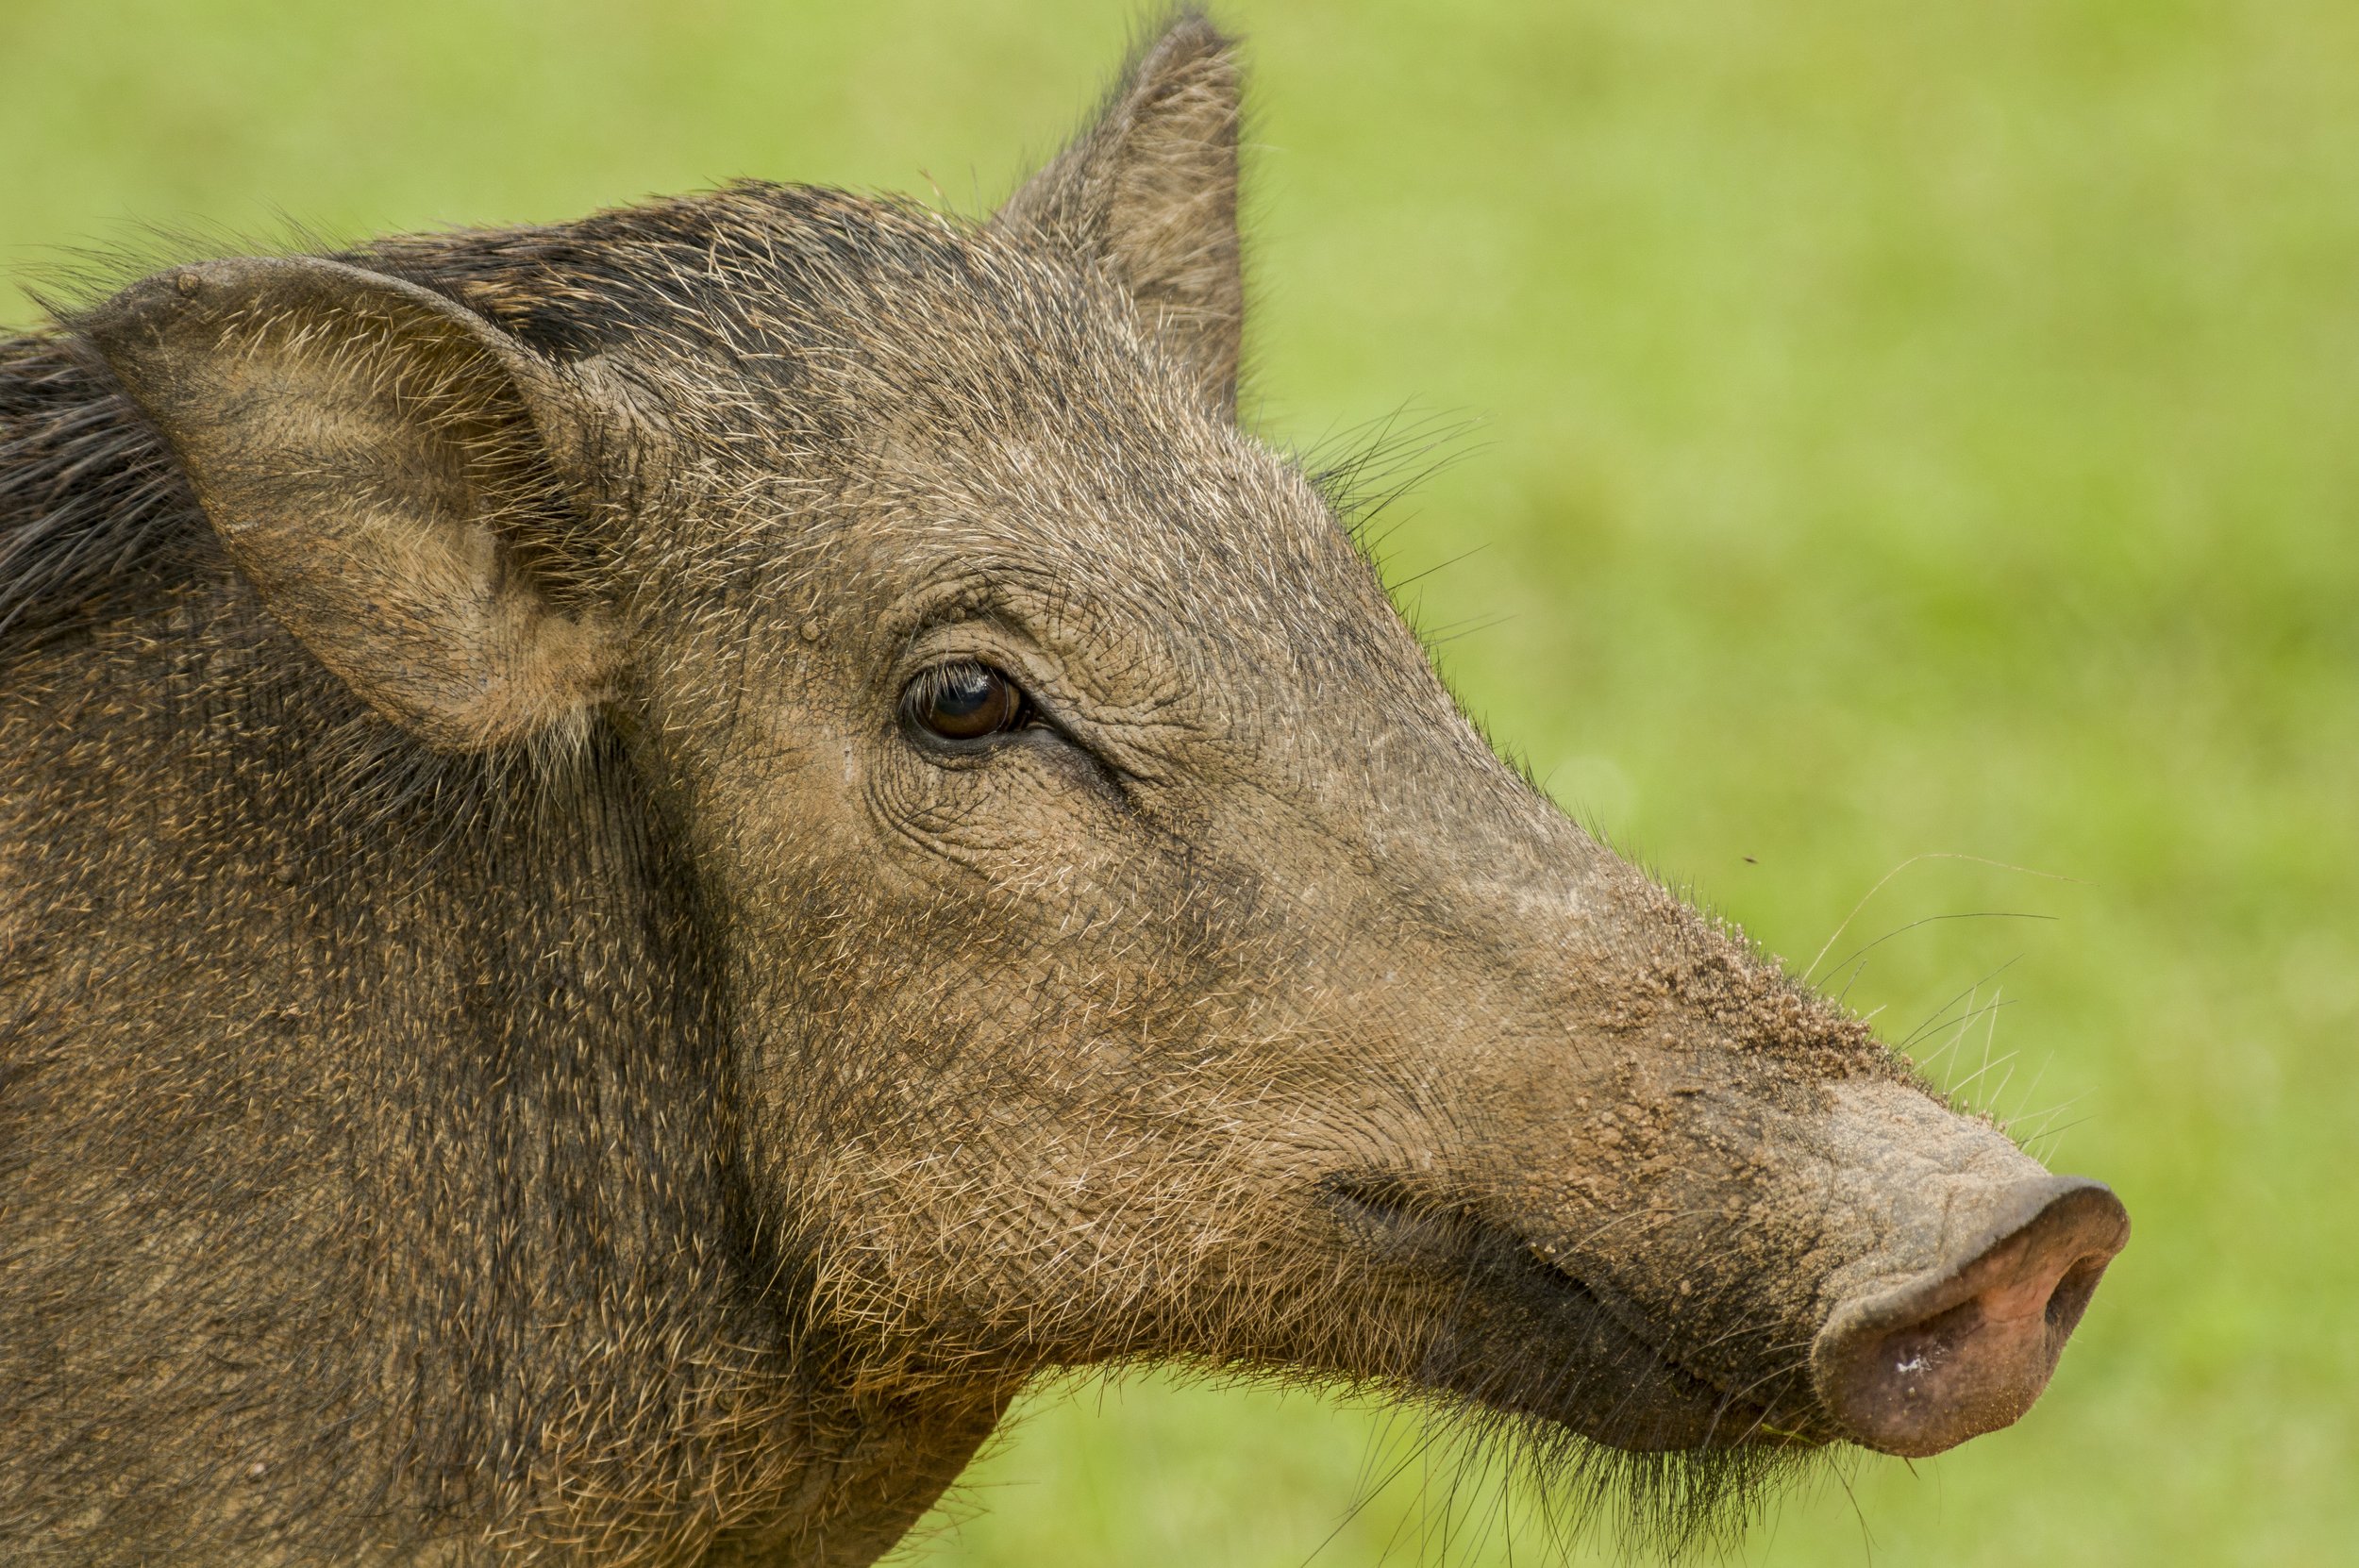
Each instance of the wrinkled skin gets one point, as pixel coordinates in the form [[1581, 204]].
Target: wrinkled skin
[[524, 1041]]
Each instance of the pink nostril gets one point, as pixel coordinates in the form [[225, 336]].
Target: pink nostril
[[1965, 1347]]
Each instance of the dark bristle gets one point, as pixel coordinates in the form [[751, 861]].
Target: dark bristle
[[92, 508], [89, 500]]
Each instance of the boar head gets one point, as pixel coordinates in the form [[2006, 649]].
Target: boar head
[[1130, 950]]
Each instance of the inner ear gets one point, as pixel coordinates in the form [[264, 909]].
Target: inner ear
[[375, 458], [1149, 195]]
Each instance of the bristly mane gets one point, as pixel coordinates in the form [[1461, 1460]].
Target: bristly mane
[[91, 501]]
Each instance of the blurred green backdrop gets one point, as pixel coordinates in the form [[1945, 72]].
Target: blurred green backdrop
[[1905, 431]]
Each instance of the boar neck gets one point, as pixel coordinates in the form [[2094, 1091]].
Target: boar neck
[[466, 1189]]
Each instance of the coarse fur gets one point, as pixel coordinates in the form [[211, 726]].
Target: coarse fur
[[515, 1044]]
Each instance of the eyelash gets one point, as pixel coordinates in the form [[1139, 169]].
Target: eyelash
[[964, 701]]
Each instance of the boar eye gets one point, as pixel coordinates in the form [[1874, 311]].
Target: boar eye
[[964, 701]]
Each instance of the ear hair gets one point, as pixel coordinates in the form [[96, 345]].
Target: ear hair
[[1149, 195], [378, 461]]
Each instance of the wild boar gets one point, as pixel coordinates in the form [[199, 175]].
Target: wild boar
[[644, 862]]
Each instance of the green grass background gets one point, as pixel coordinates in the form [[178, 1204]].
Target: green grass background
[[1905, 430]]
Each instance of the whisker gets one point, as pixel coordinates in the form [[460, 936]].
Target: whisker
[[1932, 920], [1930, 855]]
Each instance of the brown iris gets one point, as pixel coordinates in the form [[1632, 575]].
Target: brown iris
[[966, 701]]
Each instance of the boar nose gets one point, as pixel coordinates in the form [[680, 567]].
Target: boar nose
[[1965, 1347]]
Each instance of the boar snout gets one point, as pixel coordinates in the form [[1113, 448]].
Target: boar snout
[[1965, 1346], [1873, 1267]]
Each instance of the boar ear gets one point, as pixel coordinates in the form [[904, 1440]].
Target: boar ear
[[376, 460], [1149, 193]]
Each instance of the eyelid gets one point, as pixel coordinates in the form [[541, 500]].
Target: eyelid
[[967, 625], [946, 642], [1037, 716]]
